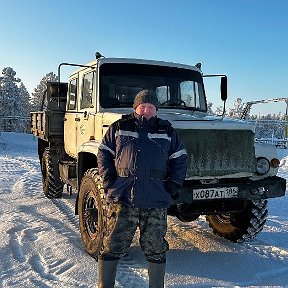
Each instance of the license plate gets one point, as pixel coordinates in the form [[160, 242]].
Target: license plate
[[215, 193]]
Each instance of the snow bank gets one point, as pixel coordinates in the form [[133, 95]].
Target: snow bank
[[18, 142]]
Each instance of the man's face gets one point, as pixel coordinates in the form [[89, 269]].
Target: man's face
[[147, 110]]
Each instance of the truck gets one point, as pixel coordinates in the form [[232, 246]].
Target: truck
[[229, 178]]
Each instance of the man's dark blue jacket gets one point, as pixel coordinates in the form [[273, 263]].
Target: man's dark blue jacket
[[140, 161]]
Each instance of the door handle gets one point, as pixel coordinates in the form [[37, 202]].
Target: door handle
[[77, 119]]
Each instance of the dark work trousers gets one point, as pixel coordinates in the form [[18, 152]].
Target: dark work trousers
[[122, 224]]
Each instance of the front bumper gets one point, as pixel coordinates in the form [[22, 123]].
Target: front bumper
[[270, 187]]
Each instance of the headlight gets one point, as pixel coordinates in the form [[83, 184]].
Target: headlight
[[263, 165]]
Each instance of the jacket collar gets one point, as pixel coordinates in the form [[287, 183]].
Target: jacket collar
[[141, 120], [152, 121]]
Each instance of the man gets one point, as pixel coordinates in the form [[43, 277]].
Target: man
[[142, 164]]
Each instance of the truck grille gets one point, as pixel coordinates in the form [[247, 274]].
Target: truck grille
[[218, 152]]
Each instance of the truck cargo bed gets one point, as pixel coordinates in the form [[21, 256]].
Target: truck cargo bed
[[49, 122], [46, 124]]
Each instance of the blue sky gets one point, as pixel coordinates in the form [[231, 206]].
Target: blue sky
[[247, 40]]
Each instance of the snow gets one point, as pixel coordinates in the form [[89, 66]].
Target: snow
[[40, 244]]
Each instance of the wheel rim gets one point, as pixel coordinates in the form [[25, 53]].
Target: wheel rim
[[90, 214]]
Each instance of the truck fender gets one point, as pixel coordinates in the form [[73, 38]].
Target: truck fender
[[87, 159]]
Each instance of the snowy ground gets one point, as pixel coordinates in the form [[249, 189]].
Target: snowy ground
[[40, 245]]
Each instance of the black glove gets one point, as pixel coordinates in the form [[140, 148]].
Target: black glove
[[175, 195], [108, 181], [173, 188]]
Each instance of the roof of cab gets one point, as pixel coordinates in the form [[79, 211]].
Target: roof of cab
[[136, 61]]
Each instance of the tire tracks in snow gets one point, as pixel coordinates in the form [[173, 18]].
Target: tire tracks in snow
[[193, 235], [29, 240], [267, 251], [22, 244], [36, 248], [25, 172], [28, 182], [66, 207]]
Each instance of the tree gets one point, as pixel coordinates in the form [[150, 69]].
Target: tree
[[237, 109], [37, 95], [24, 101], [10, 100], [14, 101], [209, 108], [219, 110]]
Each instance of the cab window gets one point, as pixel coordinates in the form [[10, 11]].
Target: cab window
[[87, 91], [163, 94], [72, 94], [192, 94]]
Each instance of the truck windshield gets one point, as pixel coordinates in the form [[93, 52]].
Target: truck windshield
[[175, 87]]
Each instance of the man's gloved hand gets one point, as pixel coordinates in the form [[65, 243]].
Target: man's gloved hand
[[108, 180], [173, 188], [175, 195]]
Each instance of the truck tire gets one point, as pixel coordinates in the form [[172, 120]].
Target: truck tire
[[241, 226], [52, 185], [90, 210]]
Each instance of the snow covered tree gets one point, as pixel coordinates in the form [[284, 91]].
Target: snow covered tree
[[14, 102], [9, 91], [24, 108], [209, 108], [237, 109], [24, 100], [10, 100], [37, 95], [219, 110]]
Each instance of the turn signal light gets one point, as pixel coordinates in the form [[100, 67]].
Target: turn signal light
[[275, 163]]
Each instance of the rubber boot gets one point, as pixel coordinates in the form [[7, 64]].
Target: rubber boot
[[156, 273], [107, 273]]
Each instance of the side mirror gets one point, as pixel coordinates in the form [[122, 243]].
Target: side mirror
[[52, 90], [223, 88]]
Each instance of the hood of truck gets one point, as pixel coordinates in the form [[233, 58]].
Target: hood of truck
[[184, 119], [216, 147]]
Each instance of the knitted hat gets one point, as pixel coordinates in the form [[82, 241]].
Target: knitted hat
[[146, 96]]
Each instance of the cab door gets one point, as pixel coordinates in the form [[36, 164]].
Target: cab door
[[71, 119], [87, 109]]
